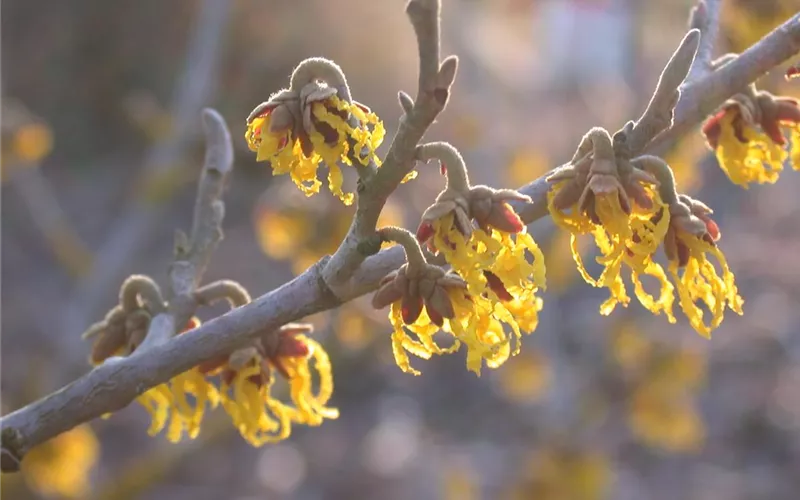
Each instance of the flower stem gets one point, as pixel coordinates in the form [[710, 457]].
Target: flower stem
[[666, 179], [414, 257], [315, 68], [456, 171]]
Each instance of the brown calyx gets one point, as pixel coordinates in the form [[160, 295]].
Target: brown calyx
[[417, 286]]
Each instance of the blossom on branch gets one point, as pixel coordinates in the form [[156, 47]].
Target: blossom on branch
[[747, 135], [312, 122], [123, 331], [248, 377]]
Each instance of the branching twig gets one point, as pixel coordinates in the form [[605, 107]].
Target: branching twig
[[701, 98], [659, 112], [432, 95], [193, 253], [112, 386], [128, 233]]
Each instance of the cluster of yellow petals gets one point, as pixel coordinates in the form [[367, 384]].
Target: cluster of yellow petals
[[632, 240], [617, 244], [700, 282], [286, 155], [481, 317], [169, 407], [260, 417], [759, 160]]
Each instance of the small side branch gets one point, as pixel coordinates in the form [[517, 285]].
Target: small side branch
[[704, 96], [435, 79], [705, 18], [659, 113], [193, 253]]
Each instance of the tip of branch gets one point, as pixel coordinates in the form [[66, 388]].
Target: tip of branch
[[681, 61], [219, 148], [698, 17], [447, 71], [435, 5], [406, 102]]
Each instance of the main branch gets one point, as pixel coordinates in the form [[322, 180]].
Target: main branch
[[112, 386]]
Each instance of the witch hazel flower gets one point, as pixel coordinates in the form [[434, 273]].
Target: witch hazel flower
[[748, 136], [248, 376], [315, 121]]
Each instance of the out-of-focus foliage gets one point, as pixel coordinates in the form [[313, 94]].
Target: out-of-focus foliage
[[61, 467]]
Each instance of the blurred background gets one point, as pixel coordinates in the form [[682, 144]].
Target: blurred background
[[101, 149]]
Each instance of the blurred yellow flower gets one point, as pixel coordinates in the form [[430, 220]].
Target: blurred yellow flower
[[525, 377], [631, 349], [332, 139], [526, 165], [61, 467], [32, 142], [558, 474], [666, 420], [352, 328], [248, 377]]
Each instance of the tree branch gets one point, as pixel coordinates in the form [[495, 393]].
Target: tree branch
[[703, 97], [432, 94], [112, 386], [193, 254], [704, 17], [191, 259]]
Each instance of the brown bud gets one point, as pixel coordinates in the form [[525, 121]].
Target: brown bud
[[428, 287], [490, 208]]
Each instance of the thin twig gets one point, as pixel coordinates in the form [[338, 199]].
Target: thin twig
[[112, 386], [41, 200], [704, 17], [193, 254], [700, 99], [129, 231], [432, 94]]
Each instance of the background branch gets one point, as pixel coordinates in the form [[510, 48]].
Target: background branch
[[705, 17], [112, 386], [128, 234]]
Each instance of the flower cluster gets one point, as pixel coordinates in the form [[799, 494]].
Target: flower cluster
[[630, 207], [123, 331], [311, 122], [497, 269], [747, 135], [245, 387], [247, 384]]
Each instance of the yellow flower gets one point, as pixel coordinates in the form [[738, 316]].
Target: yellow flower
[[333, 131], [502, 273], [62, 465], [247, 399], [309, 406], [700, 282], [622, 238], [748, 139], [557, 473], [754, 159], [248, 382]]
